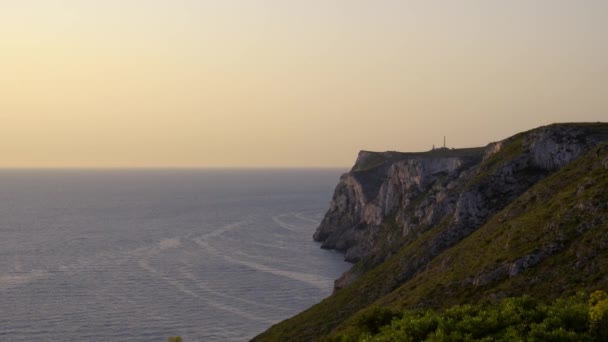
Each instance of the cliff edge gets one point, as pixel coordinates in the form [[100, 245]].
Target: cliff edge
[[404, 219]]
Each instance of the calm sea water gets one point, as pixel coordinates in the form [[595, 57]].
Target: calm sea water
[[142, 255]]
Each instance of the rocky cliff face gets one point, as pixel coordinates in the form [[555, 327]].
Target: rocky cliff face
[[526, 215], [389, 199], [413, 191]]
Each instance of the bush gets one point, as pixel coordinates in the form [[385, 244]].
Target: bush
[[372, 320], [598, 309], [512, 319]]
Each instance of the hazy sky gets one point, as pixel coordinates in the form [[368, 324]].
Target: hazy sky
[[195, 83]]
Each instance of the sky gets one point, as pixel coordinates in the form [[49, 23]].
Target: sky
[[275, 83]]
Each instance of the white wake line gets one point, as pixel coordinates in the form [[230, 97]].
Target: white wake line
[[222, 230], [284, 225], [308, 278], [267, 245], [207, 289], [301, 216], [80, 265], [183, 289], [175, 242], [21, 278], [288, 226], [247, 256]]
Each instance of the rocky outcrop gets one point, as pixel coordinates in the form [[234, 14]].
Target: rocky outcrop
[[526, 215], [515, 268], [521, 162], [413, 191], [389, 199]]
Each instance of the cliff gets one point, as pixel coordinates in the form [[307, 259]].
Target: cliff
[[412, 189], [451, 226], [389, 199]]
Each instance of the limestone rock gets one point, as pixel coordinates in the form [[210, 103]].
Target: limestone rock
[[389, 199]]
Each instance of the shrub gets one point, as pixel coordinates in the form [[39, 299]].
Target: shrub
[[598, 309], [372, 320], [512, 319]]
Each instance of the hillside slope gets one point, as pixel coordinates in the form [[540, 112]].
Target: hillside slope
[[441, 229], [551, 242]]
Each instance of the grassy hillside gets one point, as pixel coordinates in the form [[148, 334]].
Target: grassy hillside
[[576, 318], [549, 242], [377, 159]]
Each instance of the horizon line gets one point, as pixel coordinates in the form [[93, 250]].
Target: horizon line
[[135, 168]]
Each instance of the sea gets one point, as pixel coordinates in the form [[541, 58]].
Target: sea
[[141, 255]]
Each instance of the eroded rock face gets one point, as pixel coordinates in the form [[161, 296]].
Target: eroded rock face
[[389, 199], [413, 192], [553, 147], [492, 149], [538, 153]]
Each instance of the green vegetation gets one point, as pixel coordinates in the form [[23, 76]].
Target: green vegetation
[[174, 339], [511, 319], [322, 318], [598, 313], [561, 221], [511, 148], [549, 243], [376, 159]]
